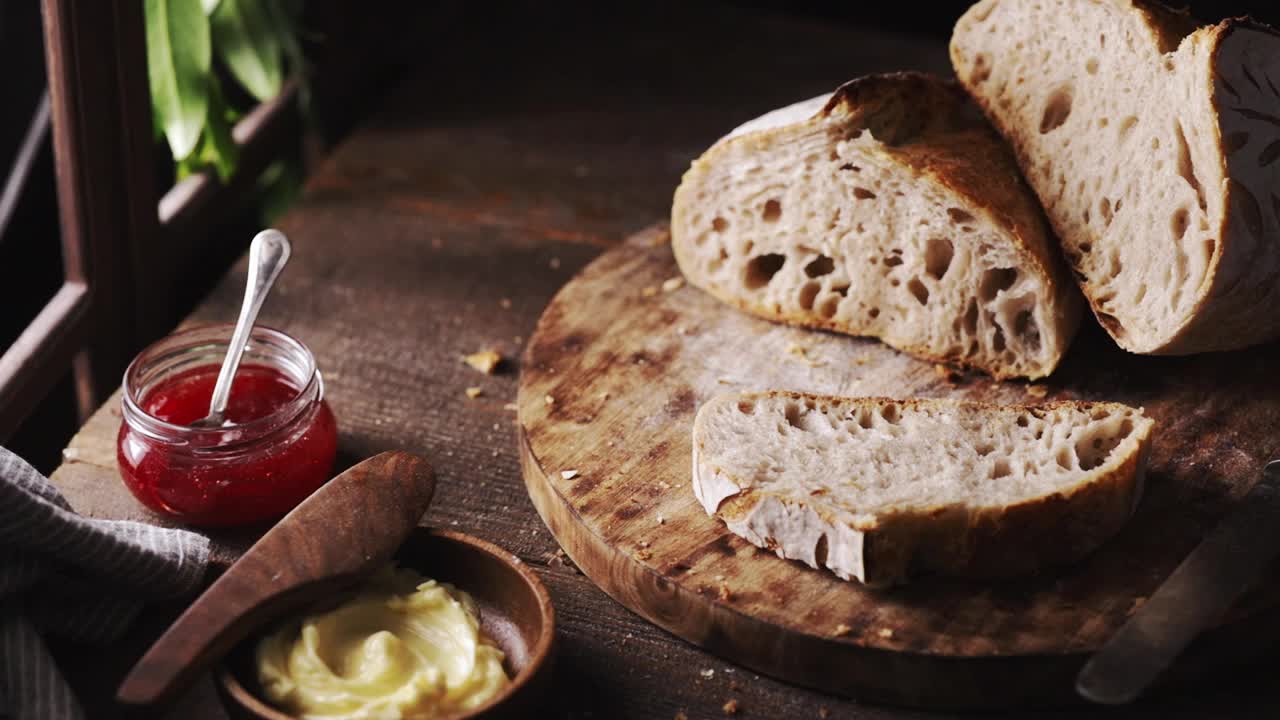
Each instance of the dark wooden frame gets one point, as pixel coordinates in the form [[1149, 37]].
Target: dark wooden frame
[[121, 250]]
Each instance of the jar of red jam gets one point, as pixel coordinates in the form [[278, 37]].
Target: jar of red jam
[[276, 446]]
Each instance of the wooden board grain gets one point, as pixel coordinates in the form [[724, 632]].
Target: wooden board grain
[[610, 383]]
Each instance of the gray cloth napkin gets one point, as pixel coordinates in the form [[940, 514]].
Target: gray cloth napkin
[[74, 577]]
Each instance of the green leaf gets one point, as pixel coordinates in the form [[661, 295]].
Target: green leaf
[[218, 148], [178, 63], [245, 39], [278, 187]]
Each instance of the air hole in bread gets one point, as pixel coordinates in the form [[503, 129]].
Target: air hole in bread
[[1112, 325], [719, 224], [1104, 206], [1056, 109], [1024, 325], [1236, 140], [873, 313], [862, 193], [997, 339], [808, 293], [827, 308], [1186, 168], [890, 413], [971, 320], [1086, 216], [865, 421], [994, 280], [1140, 293], [761, 269], [850, 167], [819, 266], [1126, 125], [841, 289], [918, 291], [893, 260], [772, 210], [1181, 220], [748, 246], [1065, 461], [1023, 421], [937, 257], [1091, 66], [746, 407], [1093, 450], [981, 69], [895, 282], [1000, 469], [792, 413], [984, 449], [1116, 265], [958, 216]]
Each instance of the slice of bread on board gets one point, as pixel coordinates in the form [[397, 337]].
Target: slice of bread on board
[[888, 209], [1154, 147], [878, 490]]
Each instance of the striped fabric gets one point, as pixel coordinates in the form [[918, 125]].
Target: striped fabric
[[74, 577]]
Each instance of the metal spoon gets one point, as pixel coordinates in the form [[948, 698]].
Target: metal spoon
[[267, 257]]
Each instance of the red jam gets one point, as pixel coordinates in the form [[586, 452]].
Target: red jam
[[275, 448]]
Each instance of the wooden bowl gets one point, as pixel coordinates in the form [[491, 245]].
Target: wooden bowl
[[515, 610]]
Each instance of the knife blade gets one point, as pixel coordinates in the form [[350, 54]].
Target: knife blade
[[1230, 559]]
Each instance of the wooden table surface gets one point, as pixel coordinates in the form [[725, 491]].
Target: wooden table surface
[[443, 226]]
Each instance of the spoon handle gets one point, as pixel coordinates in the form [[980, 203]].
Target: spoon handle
[[267, 257]]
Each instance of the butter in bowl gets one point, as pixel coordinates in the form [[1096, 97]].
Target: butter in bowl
[[348, 609]]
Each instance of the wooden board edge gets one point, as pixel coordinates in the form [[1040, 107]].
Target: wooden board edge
[[826, 664]]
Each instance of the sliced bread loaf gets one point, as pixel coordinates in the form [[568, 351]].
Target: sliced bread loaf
[[887, 209], [1154, 149], [878, 489]]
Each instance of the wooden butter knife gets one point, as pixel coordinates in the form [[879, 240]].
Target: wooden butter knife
[[1230, 559], [345, 530]]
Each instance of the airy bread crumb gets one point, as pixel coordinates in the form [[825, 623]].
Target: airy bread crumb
[[486, 361]]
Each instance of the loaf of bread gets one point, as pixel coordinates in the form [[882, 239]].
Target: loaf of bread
[[888, 209], [1154, 149], [879, 490]]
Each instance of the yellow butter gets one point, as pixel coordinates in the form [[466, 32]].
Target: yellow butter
[[404, 647]]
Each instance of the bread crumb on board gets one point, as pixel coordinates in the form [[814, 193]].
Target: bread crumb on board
[[672, 284], [554, 263], [474, 392], [842, 630], [511, 406], [1037, 391], [486, 361], [730, 707], [885, 632], [505, 303], [723, 593], [802, 352], [568, 474], [649, 291], [549, 400], [707, 673]]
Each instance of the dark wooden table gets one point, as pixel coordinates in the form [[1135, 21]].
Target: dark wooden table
[[511, 158]]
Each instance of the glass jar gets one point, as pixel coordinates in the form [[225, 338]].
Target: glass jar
[[276, 446]]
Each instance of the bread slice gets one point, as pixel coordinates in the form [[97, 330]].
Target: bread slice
[[889, 209], [1155, 150], [878, 489]]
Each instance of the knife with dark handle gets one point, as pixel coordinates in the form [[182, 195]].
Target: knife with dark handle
[[1230, 559]]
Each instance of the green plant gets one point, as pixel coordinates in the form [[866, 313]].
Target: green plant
[[254, 41]]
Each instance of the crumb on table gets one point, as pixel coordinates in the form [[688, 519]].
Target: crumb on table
[[486, 361]]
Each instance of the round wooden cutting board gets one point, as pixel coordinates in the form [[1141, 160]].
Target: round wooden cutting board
[[622, 359]]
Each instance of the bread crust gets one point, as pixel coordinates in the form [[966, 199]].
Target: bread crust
[[1234, 305], [928, 128], [974, 542]]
